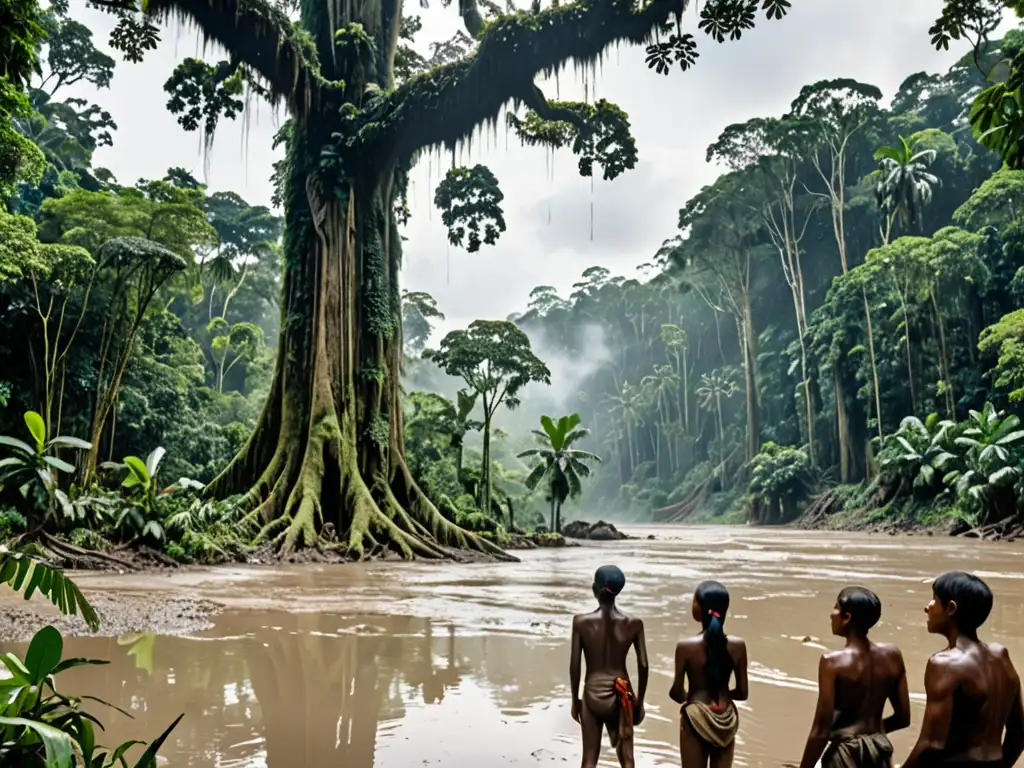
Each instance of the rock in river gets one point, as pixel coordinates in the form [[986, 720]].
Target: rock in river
[[599, 531]]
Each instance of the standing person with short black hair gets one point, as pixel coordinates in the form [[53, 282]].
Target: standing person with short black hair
[[705, 664], [854, 684], [973, 691], [604, 638]]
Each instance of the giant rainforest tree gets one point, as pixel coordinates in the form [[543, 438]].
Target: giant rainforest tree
[[329, 446]]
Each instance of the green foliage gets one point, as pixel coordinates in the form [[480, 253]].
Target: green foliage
[[26, 575], [52, 729], [200, 93], [558, 467], [470, 204], [418, 309], [977, 461], [206, 531], [1006, 339], [598, 133], [494, 358], [780, 478], [904, 183], [31, 470], [144, 513]]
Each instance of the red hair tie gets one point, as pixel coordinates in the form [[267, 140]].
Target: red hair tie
[[606, 589], [716, 614]]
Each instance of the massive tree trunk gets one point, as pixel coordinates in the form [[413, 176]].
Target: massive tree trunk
[[329, 447]]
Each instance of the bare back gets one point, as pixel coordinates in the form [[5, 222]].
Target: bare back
[[606, 636], [691, 663], [866, 677], [984, 690]]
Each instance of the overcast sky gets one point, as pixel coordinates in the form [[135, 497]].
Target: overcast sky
[[547, 205]]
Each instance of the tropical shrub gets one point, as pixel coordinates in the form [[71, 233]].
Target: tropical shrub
[[978, 463], [143, 516], [29, 474], [781, 477]]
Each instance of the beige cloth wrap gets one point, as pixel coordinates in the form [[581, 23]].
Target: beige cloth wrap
[[866, 750], [715, 726], [610, 699]]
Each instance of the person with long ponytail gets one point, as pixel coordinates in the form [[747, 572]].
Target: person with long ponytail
[[705, 666]]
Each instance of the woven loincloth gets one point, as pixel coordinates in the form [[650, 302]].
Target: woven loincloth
[[610, 699], [867, 750], [715, 725]]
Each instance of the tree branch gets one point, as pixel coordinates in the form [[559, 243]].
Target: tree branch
[[444, 106], [258, 34], [535, 99]]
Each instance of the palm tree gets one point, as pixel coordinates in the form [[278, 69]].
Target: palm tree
[[714, 386], [660, 386], [904, 183], [562, 467], [628, 405]]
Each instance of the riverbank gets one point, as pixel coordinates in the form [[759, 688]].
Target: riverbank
[[120, 613], [856, 508]]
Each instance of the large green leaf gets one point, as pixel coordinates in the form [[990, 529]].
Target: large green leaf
[[59, 464], [58, 746], [22, 572], [138, 470], [71, 442], [538, 472], [550, 429], [154, 459], [37, 428], [44, 653], [20, 445]]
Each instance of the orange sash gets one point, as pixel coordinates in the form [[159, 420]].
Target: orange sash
[[626, 703]]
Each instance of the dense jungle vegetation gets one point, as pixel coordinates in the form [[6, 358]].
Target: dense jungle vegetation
[[186, 375]]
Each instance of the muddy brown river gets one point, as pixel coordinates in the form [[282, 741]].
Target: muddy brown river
[[465, 666]]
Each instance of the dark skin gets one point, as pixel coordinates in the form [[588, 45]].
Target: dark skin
[[973, 696], [690, 685], [853, 686], [604, 637]]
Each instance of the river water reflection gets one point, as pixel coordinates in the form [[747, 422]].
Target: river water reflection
[[466, 666]]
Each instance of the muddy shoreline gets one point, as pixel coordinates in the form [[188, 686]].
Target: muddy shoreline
[[120, 613]]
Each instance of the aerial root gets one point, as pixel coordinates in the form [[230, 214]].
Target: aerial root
[[383, 516], [264, 497]]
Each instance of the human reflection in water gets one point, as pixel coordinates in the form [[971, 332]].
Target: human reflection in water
[[434, 682]]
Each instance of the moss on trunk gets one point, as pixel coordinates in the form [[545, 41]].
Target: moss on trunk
[[328, 452]]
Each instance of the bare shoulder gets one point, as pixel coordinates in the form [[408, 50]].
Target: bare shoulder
[[579, 619], [635, 625], [688, 645], [835, 660], [999, 651], [1002, 655], [737, 645], [891, 653], [943, 667]]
